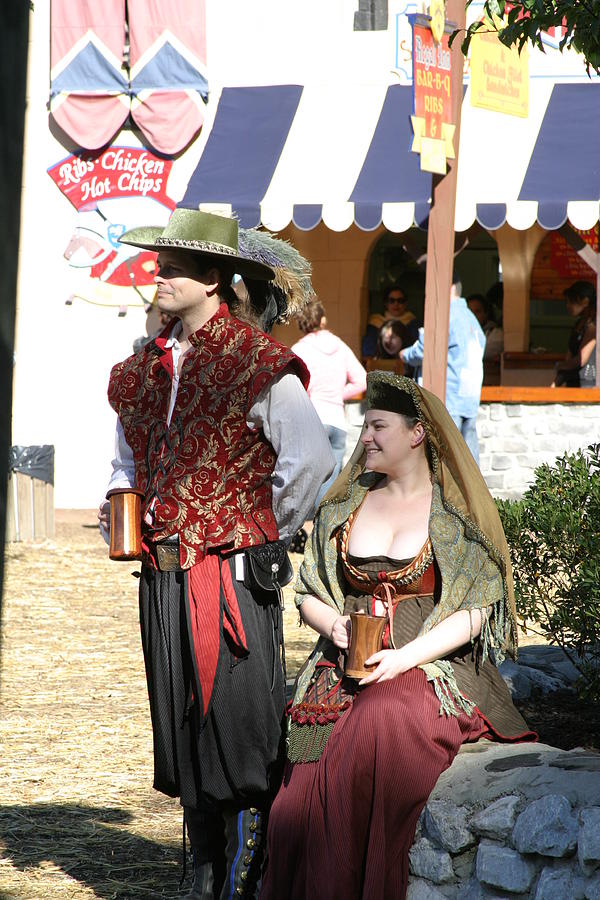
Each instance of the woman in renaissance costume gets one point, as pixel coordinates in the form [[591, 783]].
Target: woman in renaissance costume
[[408, 531]]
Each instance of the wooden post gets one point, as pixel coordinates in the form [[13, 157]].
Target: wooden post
[[517, 250], [440, 234], [13, 67], [30, 509]]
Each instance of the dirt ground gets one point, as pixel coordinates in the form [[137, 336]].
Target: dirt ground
[[78, 815]]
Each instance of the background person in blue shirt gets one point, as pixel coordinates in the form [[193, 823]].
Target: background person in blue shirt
[[464, 374]]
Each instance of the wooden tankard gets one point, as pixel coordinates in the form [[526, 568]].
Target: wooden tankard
[[125, 523], [365, 639]]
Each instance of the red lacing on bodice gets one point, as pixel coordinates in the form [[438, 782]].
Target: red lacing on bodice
[[414, 579]]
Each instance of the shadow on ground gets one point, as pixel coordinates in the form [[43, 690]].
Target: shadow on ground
[[90, 845]]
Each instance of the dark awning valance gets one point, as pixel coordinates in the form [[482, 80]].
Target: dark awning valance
[[341, 154]]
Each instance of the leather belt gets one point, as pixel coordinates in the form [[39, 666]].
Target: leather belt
[[163, 555]]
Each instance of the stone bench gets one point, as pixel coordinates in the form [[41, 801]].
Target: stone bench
[[511, 821]]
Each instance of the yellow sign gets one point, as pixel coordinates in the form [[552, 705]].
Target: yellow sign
[[434, 151], [499, 76], [438, 19]]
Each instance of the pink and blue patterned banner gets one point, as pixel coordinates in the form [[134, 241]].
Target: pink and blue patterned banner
[[155, 70]]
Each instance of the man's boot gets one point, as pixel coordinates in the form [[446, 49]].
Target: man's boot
[[244, 852], [202, 879], [205, 831]]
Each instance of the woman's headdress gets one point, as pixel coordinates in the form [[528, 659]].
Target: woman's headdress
[[463, 487], [391, 394]]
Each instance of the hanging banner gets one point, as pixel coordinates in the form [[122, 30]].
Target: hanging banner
[[432, 93], [161, 82]]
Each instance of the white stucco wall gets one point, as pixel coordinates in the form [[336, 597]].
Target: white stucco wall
[[64, 353]]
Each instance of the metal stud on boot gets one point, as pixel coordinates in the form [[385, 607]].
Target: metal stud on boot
[[244, 852]]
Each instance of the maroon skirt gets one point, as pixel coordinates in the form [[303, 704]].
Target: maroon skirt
[[341, 828]]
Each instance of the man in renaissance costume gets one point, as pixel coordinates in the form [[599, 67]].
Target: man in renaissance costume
[[216, 430]]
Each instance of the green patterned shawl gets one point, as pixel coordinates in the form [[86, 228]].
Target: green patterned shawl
[[466, 536]]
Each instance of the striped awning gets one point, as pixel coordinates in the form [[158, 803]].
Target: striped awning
[[162, 84], [340, 154]]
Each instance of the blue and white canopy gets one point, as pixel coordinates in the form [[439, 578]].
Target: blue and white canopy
[[341, 155]]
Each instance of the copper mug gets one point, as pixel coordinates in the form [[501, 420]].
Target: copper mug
[[125, 523], [366, 633]]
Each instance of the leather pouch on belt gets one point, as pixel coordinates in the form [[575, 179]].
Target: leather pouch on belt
[[268, 566], [167, 557]]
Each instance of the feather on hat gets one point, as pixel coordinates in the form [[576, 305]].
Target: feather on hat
[[291, 289]]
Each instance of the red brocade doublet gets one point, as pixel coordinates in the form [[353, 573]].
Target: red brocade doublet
[[207, 477]]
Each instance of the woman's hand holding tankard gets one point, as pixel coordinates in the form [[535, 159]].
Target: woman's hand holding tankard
[[327, 621], [458, 629], [390, 663], [340, 632]]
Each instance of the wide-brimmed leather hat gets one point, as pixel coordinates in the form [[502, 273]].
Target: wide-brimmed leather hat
[[203, 233]]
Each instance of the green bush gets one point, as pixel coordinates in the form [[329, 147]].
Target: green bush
[[553, 534]]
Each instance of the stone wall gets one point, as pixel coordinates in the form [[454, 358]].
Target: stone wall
[[516, 438], [511, 821]]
